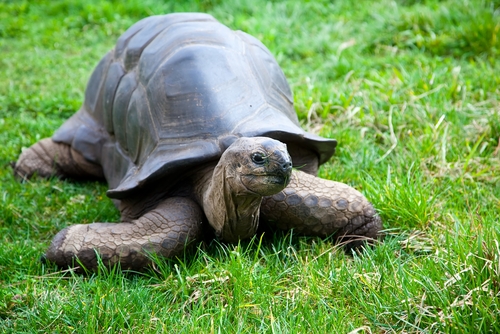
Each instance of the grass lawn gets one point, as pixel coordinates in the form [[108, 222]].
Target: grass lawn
[[410, 90]]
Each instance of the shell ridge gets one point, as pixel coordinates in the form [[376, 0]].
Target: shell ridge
[[141, 159], [135, 61], [122, 137], [136, 153], [93, 95], [120, 106], [168, 25], [128, 35], [149, 111], [124, 39], [109, 99]]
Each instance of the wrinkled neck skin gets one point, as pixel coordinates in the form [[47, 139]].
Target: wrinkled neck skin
[[230, 208]]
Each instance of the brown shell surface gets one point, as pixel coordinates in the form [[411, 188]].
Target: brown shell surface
[[175, 91]]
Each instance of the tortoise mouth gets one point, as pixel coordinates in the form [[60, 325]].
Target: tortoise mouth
[[272, 178], [266, 184], [279, 178]]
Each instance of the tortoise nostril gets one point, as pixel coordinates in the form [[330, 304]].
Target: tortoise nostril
[[286, 166]]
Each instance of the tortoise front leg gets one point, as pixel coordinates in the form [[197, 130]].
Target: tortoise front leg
[[164, 231], [319, 207]]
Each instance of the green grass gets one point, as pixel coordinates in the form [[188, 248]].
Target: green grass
[[410, 90]]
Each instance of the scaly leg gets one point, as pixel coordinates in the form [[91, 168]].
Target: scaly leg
[[47, 158], [164, 231], [319, 207]]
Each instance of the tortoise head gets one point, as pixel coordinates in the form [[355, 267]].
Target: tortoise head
[[258, 166], [249, 169]]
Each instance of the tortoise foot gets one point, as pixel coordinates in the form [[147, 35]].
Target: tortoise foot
[[362, 230]]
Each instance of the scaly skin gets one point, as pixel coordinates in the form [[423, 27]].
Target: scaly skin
[[164, 231], [319, 207]]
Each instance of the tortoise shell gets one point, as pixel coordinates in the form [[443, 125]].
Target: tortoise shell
[[175, 91]]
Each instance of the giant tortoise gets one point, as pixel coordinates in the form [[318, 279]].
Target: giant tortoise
[[193, 127]]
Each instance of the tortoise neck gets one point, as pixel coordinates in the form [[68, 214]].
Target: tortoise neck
[[230, 208]]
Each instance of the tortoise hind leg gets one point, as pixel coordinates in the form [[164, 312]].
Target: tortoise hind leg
[[47, 158], [319, 207], [163, 231]]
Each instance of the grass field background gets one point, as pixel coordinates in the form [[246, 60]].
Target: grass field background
[[408, 88]]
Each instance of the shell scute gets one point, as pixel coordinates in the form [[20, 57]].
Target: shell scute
[[124, 39], [150, 30], [115, 74], [94, 92], [141, 134]]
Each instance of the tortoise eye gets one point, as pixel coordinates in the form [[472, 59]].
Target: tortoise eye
[[259, 158]]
